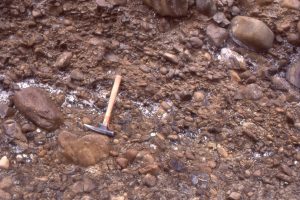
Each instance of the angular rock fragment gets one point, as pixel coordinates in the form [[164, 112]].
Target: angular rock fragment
[[207, 7], [35, 104], [173, 8], [63, 60], [13, 131], [85, 151], [217, 34], [252, 92], [293, 74], [5, 110], [252, 33]]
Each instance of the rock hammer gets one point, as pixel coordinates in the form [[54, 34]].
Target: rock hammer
[[103, 128]]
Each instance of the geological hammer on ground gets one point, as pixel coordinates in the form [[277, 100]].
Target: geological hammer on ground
[[103, 128]]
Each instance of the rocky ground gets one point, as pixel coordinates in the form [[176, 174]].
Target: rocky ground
[[208, 106]]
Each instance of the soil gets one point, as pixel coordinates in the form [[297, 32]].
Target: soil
[[202, 129]]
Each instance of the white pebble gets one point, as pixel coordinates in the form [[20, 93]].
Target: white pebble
[[4, 163]]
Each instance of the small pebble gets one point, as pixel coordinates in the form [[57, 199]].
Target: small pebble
[[4, 163], [235, 196], [198, 96], [149, 180]]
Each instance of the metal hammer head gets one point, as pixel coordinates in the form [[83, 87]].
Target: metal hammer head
[[100, 129]]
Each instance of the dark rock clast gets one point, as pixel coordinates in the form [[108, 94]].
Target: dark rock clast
[[35, 104]]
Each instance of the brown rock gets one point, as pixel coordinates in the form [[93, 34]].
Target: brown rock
[[5, 110], [6, 182], [5, 195], [207, 7], [252, 92], [88, 185], [122, 162], [149, 180], [222, 151], [297, 156], [252, 33], [77, 75], [235, 196], [217, 34], [198, 96], [13, 130], [63, 60], [77, 187], [174, 8], [293, 38], [292, 4], [87, 150], [151, 169], [298, 27], [234, 76], [293, 74], [130, 154], [36, 105]]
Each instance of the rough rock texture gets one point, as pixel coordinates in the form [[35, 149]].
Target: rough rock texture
[[207, 7], [292, 4], [175, 8], [13, 130], [35, 104], [85, 151], [293, 74], [5, 110], [217, 34], [63, 60], [252, 33], [251, 91], [5, 195]]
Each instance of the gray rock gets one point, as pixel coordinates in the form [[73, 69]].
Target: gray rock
[[292, 4], [35, 104], [217, 34], [110, 3], [280, 83], [87, 150], [207, 7], [220, 18], [173, 8], [6, 182], [252, 33], [196, 42], [63, 60], [5, 110], [235, 11], [293, 74], [12, 129], [294, 38]]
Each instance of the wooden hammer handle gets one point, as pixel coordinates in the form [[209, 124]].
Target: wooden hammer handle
[[112, 100]]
